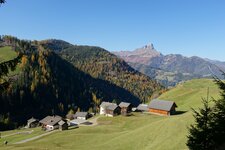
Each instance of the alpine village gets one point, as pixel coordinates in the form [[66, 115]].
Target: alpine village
[[62, 95]]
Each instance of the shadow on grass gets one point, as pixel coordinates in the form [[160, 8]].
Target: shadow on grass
[[73, 127], [87, 123], [128, 115], [179, 112]]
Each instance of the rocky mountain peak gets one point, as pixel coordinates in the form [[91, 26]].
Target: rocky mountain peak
[[141, 55], [149, 46], [146, 51]]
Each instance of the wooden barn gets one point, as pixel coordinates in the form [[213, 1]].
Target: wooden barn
[[32, 123], [126, 108], [162, 107], [112, 110]]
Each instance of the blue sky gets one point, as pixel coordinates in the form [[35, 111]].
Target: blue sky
[[188, 27]]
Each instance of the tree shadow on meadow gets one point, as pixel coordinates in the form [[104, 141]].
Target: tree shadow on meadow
[[179, 112]]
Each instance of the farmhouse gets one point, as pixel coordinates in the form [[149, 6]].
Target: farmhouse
[[103, 107], [63, 125], [162, 107], [81, 115], [112, 110], [142, 108], [70, 116], [50, 122], [32, 123], [126, 108]]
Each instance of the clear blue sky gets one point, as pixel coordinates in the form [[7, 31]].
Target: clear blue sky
[[188, 27]]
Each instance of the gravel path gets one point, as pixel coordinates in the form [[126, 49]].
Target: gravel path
[[34, 138], [94, 121], [23, 132]]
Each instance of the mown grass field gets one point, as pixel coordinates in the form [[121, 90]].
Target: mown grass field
[[6, 53], [12, 137], [140, 131]]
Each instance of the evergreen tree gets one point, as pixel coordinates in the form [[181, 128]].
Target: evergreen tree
[[115, 101], [200, 134], [2, 1], [219, 117], [78, 109], [96, 102], [71, 111], [208, 133]]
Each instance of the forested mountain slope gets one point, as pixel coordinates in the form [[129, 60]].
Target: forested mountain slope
[[101, 64], [51, 82]]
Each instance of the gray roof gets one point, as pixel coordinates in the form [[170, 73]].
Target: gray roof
[[51, 120], [62, 122], [81, 114], [143, 107], [106, 104], [32, 120], [45, 120], [112, 107], [124, 104], [78, 121], [162, 104]]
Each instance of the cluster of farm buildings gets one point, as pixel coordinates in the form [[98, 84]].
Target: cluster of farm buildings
[[159, 107]]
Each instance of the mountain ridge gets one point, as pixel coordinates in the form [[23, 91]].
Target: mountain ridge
[[174, 68], [142, 54]]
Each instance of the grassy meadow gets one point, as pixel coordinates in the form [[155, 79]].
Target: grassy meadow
[[6, 53], [12, 137], [140, 131]]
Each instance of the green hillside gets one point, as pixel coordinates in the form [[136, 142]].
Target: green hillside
[[6, 53], [141, 131], [188, 95]]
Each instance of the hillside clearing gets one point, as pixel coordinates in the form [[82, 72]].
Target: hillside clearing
[[140, 131], [6, 53]]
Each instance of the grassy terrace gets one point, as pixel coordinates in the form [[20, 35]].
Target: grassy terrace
[[6, 53], [140, 131]]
